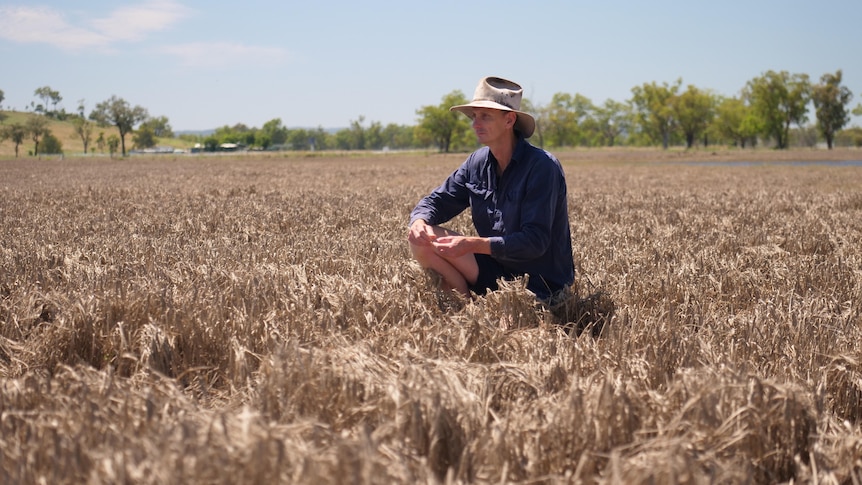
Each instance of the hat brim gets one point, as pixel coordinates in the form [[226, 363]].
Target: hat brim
[[525, 123]]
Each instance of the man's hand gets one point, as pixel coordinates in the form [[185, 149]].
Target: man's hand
[[454, 246], [446, 243], [421, 234]]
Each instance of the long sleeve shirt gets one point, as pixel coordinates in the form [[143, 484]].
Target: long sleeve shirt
[[523, 212]]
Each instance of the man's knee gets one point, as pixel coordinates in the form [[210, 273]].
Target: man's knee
[[422, 253]]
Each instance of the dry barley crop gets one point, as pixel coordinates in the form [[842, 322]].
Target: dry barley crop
[[258, 320]]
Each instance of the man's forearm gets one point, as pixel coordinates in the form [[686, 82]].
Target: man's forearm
[[480, 245]]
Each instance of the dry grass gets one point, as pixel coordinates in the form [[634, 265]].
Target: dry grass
[[196, 320]]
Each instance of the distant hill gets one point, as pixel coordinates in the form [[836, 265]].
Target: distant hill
[[210, 132], [65, 132], [194, 132]]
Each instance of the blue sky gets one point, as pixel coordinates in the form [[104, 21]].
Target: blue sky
[[205, 64]]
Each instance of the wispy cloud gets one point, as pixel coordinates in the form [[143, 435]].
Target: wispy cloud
[[224, 54], [135, 22], [45, 25], [28, 24]]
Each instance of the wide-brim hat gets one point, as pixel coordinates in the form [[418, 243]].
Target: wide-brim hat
[[498, 93]]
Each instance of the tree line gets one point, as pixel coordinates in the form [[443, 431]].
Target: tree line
[[667, 114], [766, 111]]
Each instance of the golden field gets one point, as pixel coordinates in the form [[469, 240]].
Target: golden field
[[258, 320]]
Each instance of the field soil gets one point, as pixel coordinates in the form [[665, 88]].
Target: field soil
[[258, 319]]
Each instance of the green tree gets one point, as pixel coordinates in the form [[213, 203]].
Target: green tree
[[298, 139], [160, 126], [48, 95], [586, 128], [15, 132], [51, 145], [397, 136], [779, 99], [830, 103], [262, 140], [276, 132], [211, 143], [84, 130], [538, 137], [113, 144], [117, 111], [694, 111], [612, 120], [736, 121], [144, 137], [37, 128], [342, 139], [2, 96], [240, 133], [440, 127], [356, 134], [101, 142], [560, 120], [319, 139], [374, 136], [849, 137], [654, 110]]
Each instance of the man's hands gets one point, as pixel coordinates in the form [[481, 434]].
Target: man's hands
[[446, 244]]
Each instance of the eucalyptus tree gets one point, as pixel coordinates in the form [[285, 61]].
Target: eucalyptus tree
[[147, 134], [443, 128], [654, 109], [779, 99], [398, 136], [830, 104], [144, 137], [275, 131], [613, 119], [117, 111], [736, 121], [84, 130], [37, 128], [694, 110], [160, 125], [538, 113], [15, 132], [48, 95], [561, 120]]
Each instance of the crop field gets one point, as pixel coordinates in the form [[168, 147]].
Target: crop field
[[249, 319]]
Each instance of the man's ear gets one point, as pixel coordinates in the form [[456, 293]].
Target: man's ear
[[511, 117]]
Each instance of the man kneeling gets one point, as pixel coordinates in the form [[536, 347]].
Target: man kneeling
[[516, 193]]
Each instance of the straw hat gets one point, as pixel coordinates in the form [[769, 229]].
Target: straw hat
[[498, 93]]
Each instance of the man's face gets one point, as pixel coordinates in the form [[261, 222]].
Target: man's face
[[491, 124]]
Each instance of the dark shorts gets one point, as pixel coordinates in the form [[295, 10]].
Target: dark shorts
[[489, 272]]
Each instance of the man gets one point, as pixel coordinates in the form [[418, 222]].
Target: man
[[517, 196]]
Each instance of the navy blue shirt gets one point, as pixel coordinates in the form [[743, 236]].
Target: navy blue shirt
[[524, 212]]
